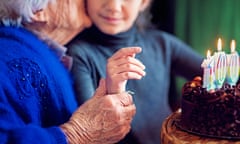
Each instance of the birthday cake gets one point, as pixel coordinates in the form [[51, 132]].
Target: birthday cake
[[211, 113], [211, 104]]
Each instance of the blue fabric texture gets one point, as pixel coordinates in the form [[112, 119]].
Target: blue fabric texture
[[162, 54], [36, 93]]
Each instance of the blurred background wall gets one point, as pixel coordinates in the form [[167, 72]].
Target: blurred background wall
[[199, 23]]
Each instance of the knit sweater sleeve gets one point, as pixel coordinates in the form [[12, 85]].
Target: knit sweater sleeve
[[185, 61], [13, 128], [33, 134]]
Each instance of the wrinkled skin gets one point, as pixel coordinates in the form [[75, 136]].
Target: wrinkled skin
[[61, 20], [104, 119], [123, 66]]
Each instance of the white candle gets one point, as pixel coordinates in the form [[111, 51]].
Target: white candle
[[220, 65], [208, 72], [233, 46], [233, 65], [219, 45]]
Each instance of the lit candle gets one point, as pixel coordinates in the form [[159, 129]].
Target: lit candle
[[233, 65], [233, 46], [219, 45], [208, 72], [220, 65]]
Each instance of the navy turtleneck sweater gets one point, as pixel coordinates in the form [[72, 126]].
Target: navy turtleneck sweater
[[162, 54]]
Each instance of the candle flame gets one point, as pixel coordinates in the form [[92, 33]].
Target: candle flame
[[233, 46], [219, 44], [208, 54]]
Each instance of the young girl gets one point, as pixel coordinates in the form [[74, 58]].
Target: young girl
[[116, 25]]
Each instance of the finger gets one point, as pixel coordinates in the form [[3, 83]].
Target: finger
[[129, 51], [101, 90], [125, 76], [129, 112], [125, 61], [126, 100], [126, 72]]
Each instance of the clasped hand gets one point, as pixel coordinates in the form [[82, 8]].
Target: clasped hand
[[103, 119]]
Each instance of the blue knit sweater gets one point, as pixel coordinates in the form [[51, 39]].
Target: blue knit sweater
[[162, 54], [35, 90]]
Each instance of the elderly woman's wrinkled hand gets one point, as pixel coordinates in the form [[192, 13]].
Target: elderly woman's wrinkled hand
[[123, 66], [103, 119]]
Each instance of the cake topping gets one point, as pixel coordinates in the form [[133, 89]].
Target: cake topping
[[214, 114]]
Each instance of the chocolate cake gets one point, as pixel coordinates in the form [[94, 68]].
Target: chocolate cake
[[211, 113]]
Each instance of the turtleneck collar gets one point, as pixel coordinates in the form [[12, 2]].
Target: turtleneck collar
[[94, 35]]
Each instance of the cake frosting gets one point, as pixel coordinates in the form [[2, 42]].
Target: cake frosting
[[211, 113]]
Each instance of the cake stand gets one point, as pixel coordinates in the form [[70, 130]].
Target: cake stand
[[171, 134]]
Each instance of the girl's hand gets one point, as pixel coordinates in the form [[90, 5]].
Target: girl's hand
[[123, 66]]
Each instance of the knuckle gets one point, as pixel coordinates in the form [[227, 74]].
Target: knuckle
[[127, 75], [128, 65]]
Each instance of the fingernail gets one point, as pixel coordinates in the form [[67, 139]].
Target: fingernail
[[144, 74]]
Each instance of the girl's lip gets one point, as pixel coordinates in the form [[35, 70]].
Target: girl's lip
[[111, 20]]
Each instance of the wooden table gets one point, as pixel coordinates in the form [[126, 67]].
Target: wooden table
[[170, 134]]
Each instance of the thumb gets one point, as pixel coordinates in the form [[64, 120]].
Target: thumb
[[101, 90]]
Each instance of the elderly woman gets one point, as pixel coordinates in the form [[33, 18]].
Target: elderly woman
[[37, 104]]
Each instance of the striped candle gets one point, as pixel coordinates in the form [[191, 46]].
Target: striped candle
[[233, 65]]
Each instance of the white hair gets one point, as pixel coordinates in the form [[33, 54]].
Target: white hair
[[17, 12]]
